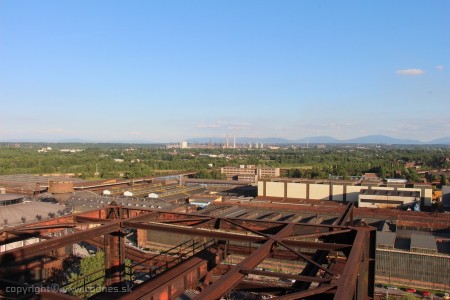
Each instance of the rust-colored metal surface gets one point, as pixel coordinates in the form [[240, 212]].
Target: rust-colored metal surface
[[344, 268]]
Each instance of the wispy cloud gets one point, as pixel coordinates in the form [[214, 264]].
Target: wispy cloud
[[440, 67], [410, 72], [134, 133]]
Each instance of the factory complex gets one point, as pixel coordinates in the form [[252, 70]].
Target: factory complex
[[271, 231]]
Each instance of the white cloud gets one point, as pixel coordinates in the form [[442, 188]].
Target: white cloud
[[134, 133], [410, 72], [440, 67]]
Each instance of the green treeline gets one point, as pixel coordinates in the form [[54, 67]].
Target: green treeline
[[131, 161]]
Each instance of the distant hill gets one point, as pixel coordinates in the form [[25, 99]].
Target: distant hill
[[318, 140], [441, 141], [382, 139], [370, 139]]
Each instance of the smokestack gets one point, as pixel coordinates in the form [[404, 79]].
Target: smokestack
[[234, 141], [227, 140]]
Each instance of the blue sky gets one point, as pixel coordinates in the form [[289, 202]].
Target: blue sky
[[172, 70]]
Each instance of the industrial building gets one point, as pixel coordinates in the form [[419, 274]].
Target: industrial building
[[416, 260], [338, 260], [409, 241], [16, 209], [388, 198], [249, 173], [446, 197], [163, 223], [341, 191]]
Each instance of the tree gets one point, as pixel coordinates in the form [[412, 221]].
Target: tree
[[90, 278]]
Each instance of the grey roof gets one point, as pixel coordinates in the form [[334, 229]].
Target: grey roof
[[14, 213], [383, 226], [7, 197], [420, 241], [386, 238]]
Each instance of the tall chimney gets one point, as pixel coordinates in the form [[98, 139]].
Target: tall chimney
[[227, 140]]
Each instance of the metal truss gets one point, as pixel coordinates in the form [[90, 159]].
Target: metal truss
[[338, 259]]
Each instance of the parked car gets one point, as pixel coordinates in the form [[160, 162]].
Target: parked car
[[426, 294], [410, 290], [391, 287]]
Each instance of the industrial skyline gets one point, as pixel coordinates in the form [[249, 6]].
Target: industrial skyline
[[167, 71]]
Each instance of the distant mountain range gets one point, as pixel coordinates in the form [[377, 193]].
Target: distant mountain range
[[370, 139]]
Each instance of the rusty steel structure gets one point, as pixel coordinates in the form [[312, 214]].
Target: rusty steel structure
[[339, 259]]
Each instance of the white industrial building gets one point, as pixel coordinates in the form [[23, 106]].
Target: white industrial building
[[387, 198], [342, 191]]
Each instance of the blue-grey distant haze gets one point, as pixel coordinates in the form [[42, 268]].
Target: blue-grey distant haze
[[174, 70]]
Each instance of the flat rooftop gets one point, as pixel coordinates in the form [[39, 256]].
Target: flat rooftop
[[8, 197], [421, 241], [386, 238], [14, 213]]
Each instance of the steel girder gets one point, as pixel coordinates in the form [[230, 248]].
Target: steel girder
[[358, 244]]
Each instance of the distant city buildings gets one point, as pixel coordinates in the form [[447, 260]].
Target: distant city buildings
[[45, 149]]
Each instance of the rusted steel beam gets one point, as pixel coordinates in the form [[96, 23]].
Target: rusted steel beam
[[348, 214], [310, 292], [160, 286], [234, 276], [308, 259], [163, 215], [45, 227], [284, 275], [246, 228], [320, 234], [187, 220], [143, 215], [44, 247], [231, 236], [173, 282], [263, 287], [276, 253], [90, 220], [193, 231], [268, 234], [304, 257], [114, 248], [320, 256], [356, 262], [14, 236]]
